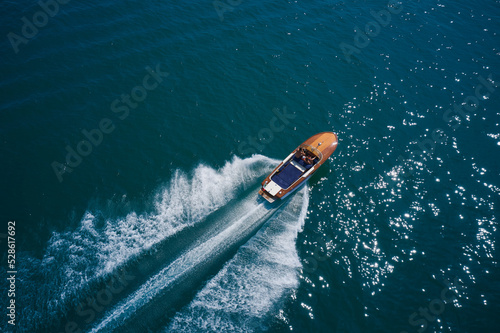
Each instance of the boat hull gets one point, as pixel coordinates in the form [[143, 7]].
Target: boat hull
[[275, 186]]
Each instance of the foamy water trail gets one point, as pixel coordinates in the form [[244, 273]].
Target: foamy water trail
[[186, 201], [101, 245], [254, 284], [250, 214]]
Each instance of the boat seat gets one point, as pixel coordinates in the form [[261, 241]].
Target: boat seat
[[287, 176], [303, 163]]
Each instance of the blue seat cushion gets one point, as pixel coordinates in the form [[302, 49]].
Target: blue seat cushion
[[288, 175]]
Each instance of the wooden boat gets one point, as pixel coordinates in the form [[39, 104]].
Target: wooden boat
[[297, 167]]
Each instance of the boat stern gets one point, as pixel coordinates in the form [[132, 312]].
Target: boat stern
[[266, 196], [270, 190]]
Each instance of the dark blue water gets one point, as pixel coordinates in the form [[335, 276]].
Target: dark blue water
[[134, 135]]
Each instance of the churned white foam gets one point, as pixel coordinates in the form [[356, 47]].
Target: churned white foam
[[253, 285], [187, 200], [99, 246], [248, 215]]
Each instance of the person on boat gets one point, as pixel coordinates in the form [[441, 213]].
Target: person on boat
[[300, 154]]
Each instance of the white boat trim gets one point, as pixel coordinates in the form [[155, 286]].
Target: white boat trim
[[272, 188]]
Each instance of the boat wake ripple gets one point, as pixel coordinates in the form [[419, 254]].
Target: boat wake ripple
[[153, 304], [252, 286], [77, 264]]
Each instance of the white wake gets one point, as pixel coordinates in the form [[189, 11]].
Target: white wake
[[254, 284]]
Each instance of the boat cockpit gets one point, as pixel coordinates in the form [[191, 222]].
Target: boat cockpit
[[303, 159]]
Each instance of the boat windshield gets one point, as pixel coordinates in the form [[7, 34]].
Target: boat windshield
[[313, 151]]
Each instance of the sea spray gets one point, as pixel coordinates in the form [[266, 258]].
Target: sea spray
[[255, 283], [75, 261]]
